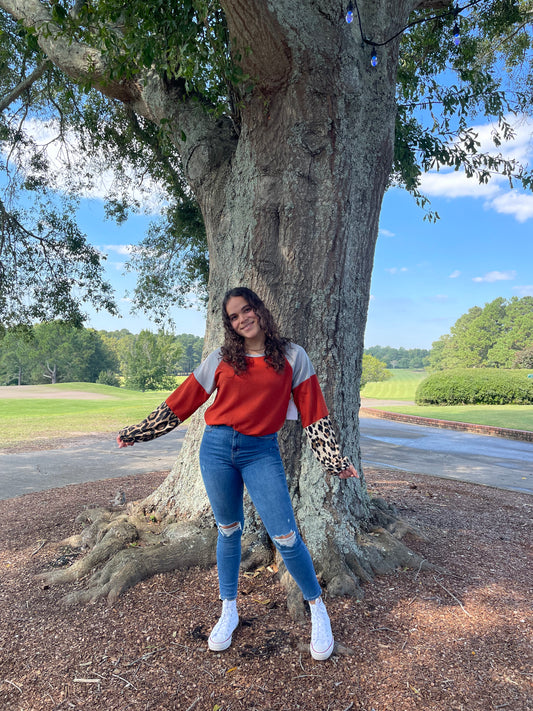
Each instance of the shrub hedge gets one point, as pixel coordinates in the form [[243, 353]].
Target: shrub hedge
[[477, 386]]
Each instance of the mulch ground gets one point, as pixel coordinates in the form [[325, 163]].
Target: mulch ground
[[448, 641]]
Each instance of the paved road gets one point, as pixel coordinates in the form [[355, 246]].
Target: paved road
[[479, 459], [92, 459]]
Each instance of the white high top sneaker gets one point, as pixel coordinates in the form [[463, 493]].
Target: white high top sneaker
[[222, 632], [322, 642]]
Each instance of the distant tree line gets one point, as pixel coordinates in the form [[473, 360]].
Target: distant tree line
[[55, 352], [374, 370], [499, 335], [413, 358]]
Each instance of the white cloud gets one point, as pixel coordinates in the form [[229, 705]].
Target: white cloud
[[386, 233], [519, 148], [456, 273], [524, 290], [119, 248], [491, 277], [396, 270], [99, 180], [454, 184], [497, 194], [514, 203]]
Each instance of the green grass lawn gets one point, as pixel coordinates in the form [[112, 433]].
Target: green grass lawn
[[27, 419], [514, 417], [403, 385]]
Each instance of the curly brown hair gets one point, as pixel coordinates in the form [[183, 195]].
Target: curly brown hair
[[233, 351]]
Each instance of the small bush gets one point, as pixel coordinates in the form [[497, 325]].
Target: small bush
[[484, 386], [107, 377]]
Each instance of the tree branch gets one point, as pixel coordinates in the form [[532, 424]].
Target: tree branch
[[256, 27], [24, 85], [79, 61], [434, 4], [191, 125], [162, 157]]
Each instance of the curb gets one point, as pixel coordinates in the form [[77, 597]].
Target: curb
[[522, 435]]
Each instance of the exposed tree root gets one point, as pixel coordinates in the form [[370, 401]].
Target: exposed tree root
[[125, 547], [123, 550]]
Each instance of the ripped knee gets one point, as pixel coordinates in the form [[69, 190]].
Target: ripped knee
[[287, 541], [231, 529]]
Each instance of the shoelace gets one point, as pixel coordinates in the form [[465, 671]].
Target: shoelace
[[225, 621], [318, 621]]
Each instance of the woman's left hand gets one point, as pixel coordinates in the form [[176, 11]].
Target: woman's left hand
[[349, 473], [121, 443]]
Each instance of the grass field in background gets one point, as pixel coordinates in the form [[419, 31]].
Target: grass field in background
[[27, 419], [402, 386], [514, 417], [30, 418]]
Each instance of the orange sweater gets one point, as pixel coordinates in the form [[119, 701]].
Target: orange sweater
[[256, 402]]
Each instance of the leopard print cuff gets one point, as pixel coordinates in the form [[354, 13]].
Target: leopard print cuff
[[159, 422], [321, 436]]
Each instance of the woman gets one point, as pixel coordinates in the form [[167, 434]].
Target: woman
[[259, 378]]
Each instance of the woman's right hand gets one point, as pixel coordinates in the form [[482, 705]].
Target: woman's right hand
[[121, 443]]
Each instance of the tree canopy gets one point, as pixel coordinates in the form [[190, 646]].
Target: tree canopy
[[374, 370], [53, 352], [150, 360], [400, 357], [59, 352], [498, 335], [96, 118]]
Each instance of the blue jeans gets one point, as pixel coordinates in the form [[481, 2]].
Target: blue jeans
[[229, 461]]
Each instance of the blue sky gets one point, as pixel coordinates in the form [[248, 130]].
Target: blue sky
[[114, 241], [425, 276]]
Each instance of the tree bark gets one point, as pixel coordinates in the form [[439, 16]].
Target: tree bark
[[51, 373]]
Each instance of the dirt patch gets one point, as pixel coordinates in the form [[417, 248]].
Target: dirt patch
[[453, 641], [373, 402], [47, 392], [59, 441]]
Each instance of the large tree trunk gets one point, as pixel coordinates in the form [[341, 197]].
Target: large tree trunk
[[291, 199], [296, 219]]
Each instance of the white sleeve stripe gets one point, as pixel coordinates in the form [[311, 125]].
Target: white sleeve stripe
[[302, 368], [205, 372]]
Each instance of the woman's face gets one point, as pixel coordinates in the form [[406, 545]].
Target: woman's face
[[243, 318]]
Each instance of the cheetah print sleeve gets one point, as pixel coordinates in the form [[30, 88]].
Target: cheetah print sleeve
[[321, 436], [159, 422]]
